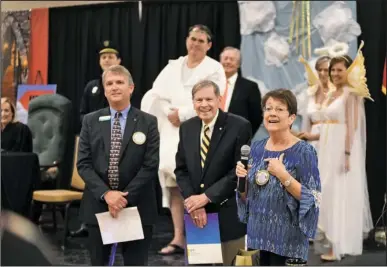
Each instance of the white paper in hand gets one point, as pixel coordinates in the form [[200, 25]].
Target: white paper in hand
[[126, 227]]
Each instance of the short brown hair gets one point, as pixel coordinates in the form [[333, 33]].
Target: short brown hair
[[11, 105], [119, 69], [203, 84], [346, 59], [320, 61], [283, 95], [202, 28]]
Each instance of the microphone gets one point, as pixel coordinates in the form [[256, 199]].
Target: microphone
[[245, 153]]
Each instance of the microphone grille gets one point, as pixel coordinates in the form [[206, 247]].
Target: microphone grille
[[245, 150]]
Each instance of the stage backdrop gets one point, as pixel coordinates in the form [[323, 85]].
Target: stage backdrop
[[39, 47], [76, 35], [15, 36]]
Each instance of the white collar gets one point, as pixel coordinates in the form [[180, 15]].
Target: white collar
[[232, 79], [212, 123]]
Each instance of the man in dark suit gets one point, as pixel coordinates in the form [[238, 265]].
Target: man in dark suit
[[118, 159], [208, 150], [94, 99], [242, 96]]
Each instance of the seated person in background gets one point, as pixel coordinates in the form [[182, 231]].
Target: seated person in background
[[15, 136]]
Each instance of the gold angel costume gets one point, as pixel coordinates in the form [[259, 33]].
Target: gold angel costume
[[344, 212]]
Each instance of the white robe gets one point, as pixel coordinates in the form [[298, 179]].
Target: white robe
[[170, 91], [345, 216]]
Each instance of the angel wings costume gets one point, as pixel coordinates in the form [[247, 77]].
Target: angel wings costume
[[173, 89], [345, 210]]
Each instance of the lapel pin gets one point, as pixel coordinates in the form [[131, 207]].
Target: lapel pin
[[220, 128]]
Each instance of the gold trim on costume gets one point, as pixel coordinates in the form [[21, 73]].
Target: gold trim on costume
[[326, 122]]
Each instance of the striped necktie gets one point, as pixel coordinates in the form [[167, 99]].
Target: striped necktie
[[205, 145], [115, 147]]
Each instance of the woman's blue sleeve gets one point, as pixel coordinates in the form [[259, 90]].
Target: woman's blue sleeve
[[307, 209], [243, 207]]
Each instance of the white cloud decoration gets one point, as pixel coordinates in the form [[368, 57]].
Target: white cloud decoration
[[256, 16], [276, 50], [336, 24]]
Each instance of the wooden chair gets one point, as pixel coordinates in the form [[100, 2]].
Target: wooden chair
[[59, 197]]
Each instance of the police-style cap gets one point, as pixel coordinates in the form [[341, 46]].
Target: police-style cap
[[108, 47]]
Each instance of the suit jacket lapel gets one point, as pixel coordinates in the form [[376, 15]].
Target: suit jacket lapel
[[131, 122], [235, 93], [196, 146], [217, 134], [106, 131]]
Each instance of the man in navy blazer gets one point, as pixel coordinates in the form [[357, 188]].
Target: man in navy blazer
[[134, 161], [208, 185]]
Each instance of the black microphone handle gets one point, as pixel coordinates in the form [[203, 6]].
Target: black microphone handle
[[242, 180]]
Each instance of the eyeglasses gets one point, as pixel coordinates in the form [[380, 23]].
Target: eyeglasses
[[277, 109]]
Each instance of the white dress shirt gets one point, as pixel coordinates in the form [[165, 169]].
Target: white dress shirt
[[211, 125], [231, 84]]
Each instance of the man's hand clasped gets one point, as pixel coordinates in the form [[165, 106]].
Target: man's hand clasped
[[116, 202], [195, 207]]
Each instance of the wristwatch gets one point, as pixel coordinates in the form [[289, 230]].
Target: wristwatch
[[288, 181]]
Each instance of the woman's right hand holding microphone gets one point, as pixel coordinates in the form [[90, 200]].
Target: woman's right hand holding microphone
[[240, 170]]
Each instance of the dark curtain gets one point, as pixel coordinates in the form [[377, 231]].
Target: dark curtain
[[75, 36], [165, 26], [374, 37]]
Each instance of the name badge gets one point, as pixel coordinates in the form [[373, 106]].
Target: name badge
[[104, 118], [139, 138]]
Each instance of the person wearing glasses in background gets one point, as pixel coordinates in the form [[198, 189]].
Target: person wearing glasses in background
[[281, 202]]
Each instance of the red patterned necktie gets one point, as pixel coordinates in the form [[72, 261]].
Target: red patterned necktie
[[115, 147]]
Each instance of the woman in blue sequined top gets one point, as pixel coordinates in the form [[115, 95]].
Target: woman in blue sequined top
[[281, 202]]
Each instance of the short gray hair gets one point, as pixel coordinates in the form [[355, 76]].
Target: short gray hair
[[203, 84], [227, 48], [118, 69]]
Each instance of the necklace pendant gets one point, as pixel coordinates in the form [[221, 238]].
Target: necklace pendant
[[262, 177]]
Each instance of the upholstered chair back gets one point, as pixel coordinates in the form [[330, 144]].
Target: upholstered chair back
[[49, 121]]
